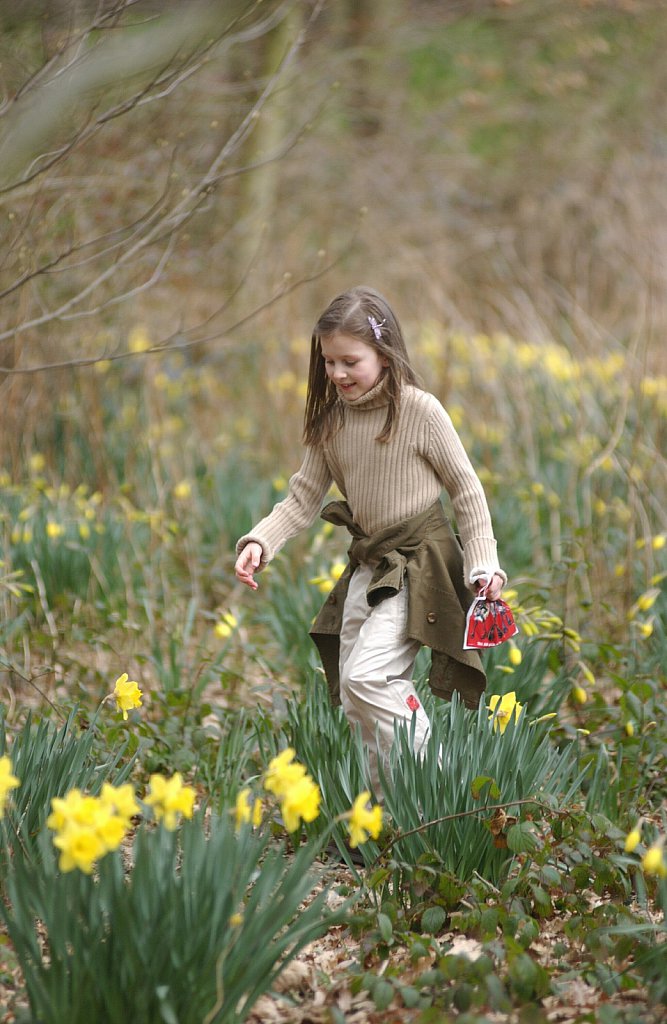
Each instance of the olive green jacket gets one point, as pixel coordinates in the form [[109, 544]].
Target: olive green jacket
[[424, 551]]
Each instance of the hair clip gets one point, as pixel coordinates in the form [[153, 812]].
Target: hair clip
[[376, 327]]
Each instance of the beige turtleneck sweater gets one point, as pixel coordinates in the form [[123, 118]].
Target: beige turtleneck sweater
[[387, 482]]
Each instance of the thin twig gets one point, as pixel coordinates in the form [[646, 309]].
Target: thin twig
[[168, 345], [185, 209], [475, 811], [30, 681]]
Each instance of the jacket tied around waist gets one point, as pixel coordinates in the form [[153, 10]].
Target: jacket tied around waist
[[424, 552]]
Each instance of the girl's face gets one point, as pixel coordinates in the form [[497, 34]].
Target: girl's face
[[351, 364]]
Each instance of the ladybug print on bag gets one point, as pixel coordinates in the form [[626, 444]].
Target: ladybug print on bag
[[488, 623]]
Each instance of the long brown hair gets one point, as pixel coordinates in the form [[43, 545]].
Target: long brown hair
[[362, 313]]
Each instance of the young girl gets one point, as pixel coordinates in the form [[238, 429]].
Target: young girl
[[390, 448]]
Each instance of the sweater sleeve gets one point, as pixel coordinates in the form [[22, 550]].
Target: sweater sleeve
[[306, 491], [473, 519]]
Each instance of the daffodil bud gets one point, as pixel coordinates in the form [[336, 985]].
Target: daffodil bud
[[515, 656], [632, 840]]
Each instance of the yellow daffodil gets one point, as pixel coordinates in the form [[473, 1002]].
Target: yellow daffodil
[[301, 800], [299, 796], [633, 838], [138, 340], [629, 729], [247, 809], [644, 602], [183, 490], [109, 827], [503, 709], [653, 861], [284, 381], [54, 530], [127, 694], [121, 800], [364, 823], [7, 782], [170, 797], [225, 626], [74, 808], [282, 773], [579, 695], [323, 583], [79, 847]]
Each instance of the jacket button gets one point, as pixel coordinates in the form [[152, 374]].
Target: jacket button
[[331, 599], [431, 617]]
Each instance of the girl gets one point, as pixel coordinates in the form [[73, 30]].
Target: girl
[[390, 447]]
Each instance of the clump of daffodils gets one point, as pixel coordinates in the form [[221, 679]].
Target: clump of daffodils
[[88, 827], [298, 795], [299, 799]]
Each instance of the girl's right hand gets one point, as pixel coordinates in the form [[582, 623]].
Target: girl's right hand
[[247, 564]]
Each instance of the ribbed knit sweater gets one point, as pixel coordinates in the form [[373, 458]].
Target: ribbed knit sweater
[[385, 482]]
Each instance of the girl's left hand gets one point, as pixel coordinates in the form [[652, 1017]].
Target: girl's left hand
[[493, 589]]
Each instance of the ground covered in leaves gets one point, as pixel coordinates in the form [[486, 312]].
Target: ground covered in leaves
[[327, 983], [367, 973]]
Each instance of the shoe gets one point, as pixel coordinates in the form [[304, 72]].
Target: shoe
[[352, 855]]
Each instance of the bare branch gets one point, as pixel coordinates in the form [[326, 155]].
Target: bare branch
[[108, 62], [182, 340], [175, 217], [54, 265]]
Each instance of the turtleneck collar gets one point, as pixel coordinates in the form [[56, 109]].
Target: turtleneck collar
[[373, 399]]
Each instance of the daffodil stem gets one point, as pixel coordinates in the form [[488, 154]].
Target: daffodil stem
[[17, 834]]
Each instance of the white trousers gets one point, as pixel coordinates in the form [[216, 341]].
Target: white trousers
[[376, 664]]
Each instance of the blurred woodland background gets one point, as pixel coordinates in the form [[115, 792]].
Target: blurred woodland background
[[182, 171]]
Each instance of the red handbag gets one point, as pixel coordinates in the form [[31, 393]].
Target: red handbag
[[488, 623]]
